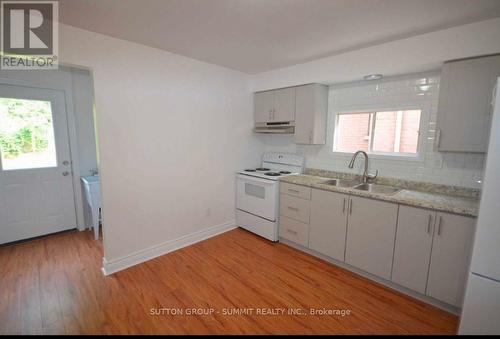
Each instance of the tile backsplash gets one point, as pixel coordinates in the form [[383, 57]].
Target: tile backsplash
[[422, 90]]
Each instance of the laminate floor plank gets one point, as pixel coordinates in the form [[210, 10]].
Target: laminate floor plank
[[54, 285]]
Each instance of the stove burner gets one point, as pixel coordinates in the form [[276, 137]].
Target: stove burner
[[272, 174], [285, 172], [262, 169], [249, 170]]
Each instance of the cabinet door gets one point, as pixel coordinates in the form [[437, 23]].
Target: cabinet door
[[451, 251], [311, 105], [412, 251], [464, 110], [264, 104], [284, 104], [371, 230], [328, 224], [304, 114]]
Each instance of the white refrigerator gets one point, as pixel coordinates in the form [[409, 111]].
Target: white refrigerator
[[481, 310]]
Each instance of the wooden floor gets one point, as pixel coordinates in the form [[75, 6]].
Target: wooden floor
[[54, 285]]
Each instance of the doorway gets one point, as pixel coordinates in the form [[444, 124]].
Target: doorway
[[36, 183]]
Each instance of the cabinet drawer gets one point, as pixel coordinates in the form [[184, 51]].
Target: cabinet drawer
[[294, 231], [295, 190], [295, 208]]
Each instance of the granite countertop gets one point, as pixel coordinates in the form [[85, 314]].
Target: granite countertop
[[463, 205]]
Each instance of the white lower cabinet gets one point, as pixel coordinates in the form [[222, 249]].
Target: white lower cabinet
[[432, 253], [450, 258], [423, 250], [328, 223], [370, 235], [412, 252]]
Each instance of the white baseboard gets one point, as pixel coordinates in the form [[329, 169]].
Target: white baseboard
[[110, 267]]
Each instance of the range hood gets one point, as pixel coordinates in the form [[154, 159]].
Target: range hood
[[284, 127]]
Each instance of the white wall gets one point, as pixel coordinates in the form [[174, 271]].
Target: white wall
[[416, 54], [459, 169], [171, 130]]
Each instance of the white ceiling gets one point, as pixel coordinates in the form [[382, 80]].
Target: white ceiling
[[260, 35]]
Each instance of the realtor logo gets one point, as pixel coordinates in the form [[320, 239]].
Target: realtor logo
[[29, 37]]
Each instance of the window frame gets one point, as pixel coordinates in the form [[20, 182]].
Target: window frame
[[424, 127]]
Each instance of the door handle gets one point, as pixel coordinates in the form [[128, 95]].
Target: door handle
[[65, 173], [65, 162]]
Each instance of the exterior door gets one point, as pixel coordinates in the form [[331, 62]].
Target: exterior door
[[36, 190]]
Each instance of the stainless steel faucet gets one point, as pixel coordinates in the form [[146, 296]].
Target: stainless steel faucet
[[366, 177]]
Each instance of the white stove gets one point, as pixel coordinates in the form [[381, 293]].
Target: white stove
[[257, 193]]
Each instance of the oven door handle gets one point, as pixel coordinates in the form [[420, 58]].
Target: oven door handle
[[250, 179]]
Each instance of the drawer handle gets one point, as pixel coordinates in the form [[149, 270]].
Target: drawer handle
[[294, 191], [290, 231], [293, 208]]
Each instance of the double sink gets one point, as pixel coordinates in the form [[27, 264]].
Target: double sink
[[367, 187]]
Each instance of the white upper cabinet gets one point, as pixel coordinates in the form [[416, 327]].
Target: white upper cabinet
[[328, 224], [451, 252], [305, 105], [284, 104], [370, 235], [264, 106], [464, 111], [310, 114], [412, 252], [275, 106]]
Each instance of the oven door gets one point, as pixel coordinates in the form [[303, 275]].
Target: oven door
[[257, 196]]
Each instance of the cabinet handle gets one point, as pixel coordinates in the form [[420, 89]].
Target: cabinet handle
[[290, 231], [293, 208], [350, 206], [294, 191], [438, 137], [429, 224], [343, 207], [439, 224]]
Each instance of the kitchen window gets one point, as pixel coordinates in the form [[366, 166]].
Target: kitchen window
[[393, 133]]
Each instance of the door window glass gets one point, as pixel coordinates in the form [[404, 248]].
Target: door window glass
[[26, 134]]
